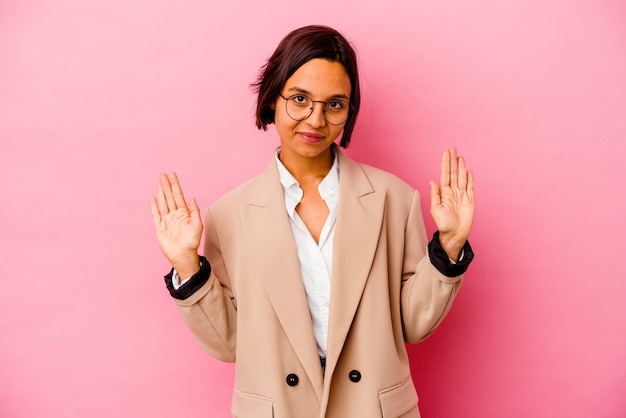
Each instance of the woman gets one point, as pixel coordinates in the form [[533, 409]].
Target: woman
[[318, 270]]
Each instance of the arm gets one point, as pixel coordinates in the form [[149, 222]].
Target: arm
[[427, 293], [211, 310], [202, 300], [430, 280]]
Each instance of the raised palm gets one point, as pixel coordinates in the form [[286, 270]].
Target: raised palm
[[452, 202], [178, 225]]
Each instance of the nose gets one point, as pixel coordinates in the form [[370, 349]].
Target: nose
[[317, 118]]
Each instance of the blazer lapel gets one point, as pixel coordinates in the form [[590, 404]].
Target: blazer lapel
[[268, 233], [358, 226]]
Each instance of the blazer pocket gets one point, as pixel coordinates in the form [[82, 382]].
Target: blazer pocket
[[246, 405], [399, 399]]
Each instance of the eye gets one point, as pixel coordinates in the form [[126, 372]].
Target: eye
[[300, 99], [336, 105]]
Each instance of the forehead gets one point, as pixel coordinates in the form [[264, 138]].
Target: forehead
[[321, 78]]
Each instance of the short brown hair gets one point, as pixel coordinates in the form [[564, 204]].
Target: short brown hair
[[296, 49]]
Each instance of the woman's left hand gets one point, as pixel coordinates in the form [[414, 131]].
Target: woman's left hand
[[452, 203]]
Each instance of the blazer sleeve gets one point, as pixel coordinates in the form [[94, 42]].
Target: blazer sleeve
[[210, 312], [427, 293]]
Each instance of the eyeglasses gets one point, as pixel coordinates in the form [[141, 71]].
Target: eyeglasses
[[300, 107]]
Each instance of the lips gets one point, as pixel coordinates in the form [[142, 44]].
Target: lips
[[311, 137]]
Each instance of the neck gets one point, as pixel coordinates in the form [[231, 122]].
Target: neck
[[306, 169]]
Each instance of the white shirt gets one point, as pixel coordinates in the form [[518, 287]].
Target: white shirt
[[316, 259]]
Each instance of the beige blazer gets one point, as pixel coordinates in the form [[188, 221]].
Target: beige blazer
[[384, 292]]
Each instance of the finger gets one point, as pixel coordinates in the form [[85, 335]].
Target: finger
[[161, 201], [444, 176], [470, 185], [462, 177], [170, 202], [454, 168], [177, 191]]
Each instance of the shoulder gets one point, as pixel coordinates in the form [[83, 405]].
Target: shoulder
[[379, 179], [255, 191], [382, 178], [236, 196]]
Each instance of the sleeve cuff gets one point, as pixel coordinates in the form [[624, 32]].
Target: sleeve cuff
[[190, 286], [441, 261]]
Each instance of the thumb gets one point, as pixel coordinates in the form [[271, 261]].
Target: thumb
[[435, 194], [194, 212]]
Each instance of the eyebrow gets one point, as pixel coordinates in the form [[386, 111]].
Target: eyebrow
[[307, 93]]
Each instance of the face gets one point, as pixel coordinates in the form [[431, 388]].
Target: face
[[317, 79]]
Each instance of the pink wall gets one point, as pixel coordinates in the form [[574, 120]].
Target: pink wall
[[98, 97]]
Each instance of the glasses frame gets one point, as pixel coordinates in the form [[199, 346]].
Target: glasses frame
[[350, 108]]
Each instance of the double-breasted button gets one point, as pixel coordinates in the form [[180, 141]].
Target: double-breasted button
[[292, 379], [354, 376]]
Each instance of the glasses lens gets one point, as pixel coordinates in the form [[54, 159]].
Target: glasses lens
[[300, 107], [336, 111]]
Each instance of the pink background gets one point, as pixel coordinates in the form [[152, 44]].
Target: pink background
[[97, 98]]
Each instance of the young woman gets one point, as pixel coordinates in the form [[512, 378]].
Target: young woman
[[318, 270]]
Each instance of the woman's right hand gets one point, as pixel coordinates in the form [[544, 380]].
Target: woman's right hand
[[178, 226]]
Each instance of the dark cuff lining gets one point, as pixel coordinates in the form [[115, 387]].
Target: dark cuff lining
[[441, 261], [193, 284]]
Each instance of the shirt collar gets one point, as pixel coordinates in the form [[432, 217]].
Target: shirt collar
[[328, 188]]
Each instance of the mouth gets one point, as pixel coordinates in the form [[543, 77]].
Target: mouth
[[311, 137]]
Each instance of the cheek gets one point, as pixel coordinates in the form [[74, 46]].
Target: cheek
[[283, 122], [335, 131]]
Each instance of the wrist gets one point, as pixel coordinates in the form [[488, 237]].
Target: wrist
[[186, 265], [452, 245]]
